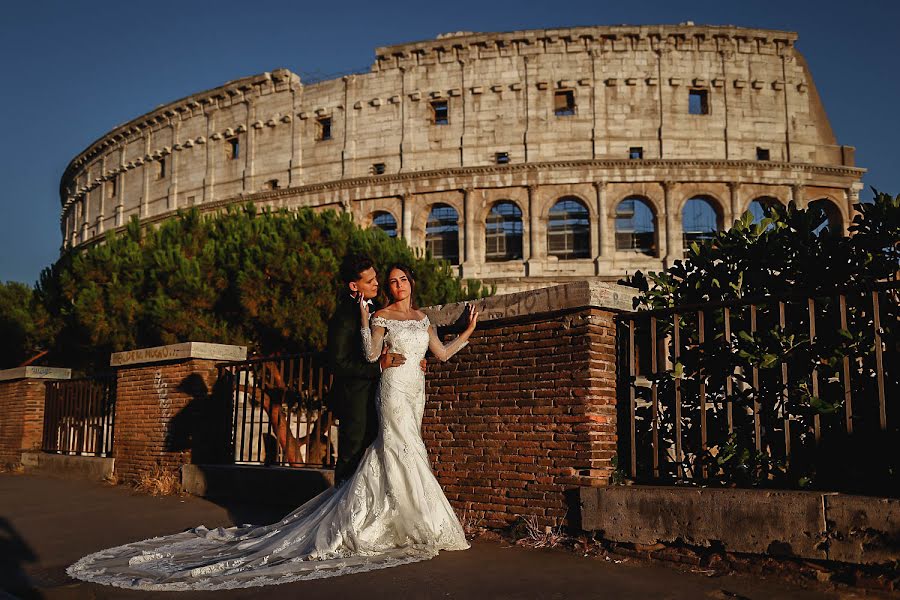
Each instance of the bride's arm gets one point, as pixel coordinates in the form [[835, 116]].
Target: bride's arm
[[373, 339], [442, 351]]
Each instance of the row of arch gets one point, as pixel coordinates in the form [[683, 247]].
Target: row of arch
[[569, 229]]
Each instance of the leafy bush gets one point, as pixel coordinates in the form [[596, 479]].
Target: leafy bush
[[796, 380]]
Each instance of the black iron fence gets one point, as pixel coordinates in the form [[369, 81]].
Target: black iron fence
[[793, 392], [79, 415], [278, 411]]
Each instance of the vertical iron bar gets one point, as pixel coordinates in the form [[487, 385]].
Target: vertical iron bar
[[631, 400], [676, 354], [879, 361], [260, 394], [654, 359], [321, 404], [245, 372], [235, 372], [701, 327], [848, 403], [729, 379], [757, 429], [288, 387], [817, 420], [786, 415]]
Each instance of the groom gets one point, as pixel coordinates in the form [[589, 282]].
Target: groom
[[352, 395]]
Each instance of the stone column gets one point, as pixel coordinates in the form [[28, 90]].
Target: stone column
[[535, 253], [249, 181], [735, 202], [469, 263], [145, 178], [406, 203], [797, 195], [209, 175], [852, 201], [166, 413], [605, 233], [22, 395], [673, 241]]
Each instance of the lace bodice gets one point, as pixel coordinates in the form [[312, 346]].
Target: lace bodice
[[410, 337]]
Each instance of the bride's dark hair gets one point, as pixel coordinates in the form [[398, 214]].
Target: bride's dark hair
[[410, 276]]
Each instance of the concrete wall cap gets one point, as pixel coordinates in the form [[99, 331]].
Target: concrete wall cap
[[578, 294], [35, 373], [201, 350]]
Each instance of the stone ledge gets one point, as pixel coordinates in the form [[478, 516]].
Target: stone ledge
[[65, 466], [569, 296], [817, 525], [35, 373], [200, 350]]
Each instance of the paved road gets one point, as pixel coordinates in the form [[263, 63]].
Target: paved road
[[46, 524]]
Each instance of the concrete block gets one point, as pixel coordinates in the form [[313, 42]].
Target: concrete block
[[862, 529], [772, 522]]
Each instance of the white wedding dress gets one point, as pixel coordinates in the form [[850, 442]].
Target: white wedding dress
[[392, 511]]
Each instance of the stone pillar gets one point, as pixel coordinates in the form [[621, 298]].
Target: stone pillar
[[673, 241], [605, 232], [535, 255], [406, 203], [526, 413], [735, 203], [145, 178], [852, 201], [470, 262], [22, 395], [797, 195], [166, 413]]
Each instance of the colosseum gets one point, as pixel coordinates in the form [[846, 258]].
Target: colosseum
[[525, 159]]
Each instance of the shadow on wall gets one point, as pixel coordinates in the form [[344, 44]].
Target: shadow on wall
[[203, 426]]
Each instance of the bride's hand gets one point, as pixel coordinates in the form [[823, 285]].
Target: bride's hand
[[363, 310], [473, 318]]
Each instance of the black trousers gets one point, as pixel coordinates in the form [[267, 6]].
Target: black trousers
[[357, 430]]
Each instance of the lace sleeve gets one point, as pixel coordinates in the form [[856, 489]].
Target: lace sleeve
[[372, 340], [442, 351]]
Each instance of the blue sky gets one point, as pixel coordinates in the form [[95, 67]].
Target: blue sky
[[74, 70]]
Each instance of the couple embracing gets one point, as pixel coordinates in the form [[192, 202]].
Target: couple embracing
[[386, 507]]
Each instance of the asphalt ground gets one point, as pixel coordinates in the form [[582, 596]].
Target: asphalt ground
[[46, 524]]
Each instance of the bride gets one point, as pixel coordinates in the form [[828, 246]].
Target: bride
[[390, 512]]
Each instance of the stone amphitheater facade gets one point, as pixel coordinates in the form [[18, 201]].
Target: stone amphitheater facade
[[527, 158]]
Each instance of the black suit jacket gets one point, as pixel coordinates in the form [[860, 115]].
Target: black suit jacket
[[355, 378]]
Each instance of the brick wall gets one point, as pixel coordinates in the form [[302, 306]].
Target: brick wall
[[21, 418], [167, 416], [524, 415]]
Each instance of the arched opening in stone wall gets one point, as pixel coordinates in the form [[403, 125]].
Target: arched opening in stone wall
[[636, 227], [386, 222], [761, 207], [503, 232], [700, 219], [831, 221], [442, 233], [569, 229]]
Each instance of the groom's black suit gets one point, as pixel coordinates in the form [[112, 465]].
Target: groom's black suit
[[352, 396]]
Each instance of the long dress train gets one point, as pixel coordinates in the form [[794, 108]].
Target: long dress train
[[392, 511]]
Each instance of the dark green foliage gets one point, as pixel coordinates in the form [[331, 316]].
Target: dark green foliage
[[265, 279], [23, 325], [781, 258]]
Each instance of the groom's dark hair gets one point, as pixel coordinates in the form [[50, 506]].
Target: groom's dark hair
[[353, 265]]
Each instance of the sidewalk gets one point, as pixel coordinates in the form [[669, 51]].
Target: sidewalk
[[46, 524]]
